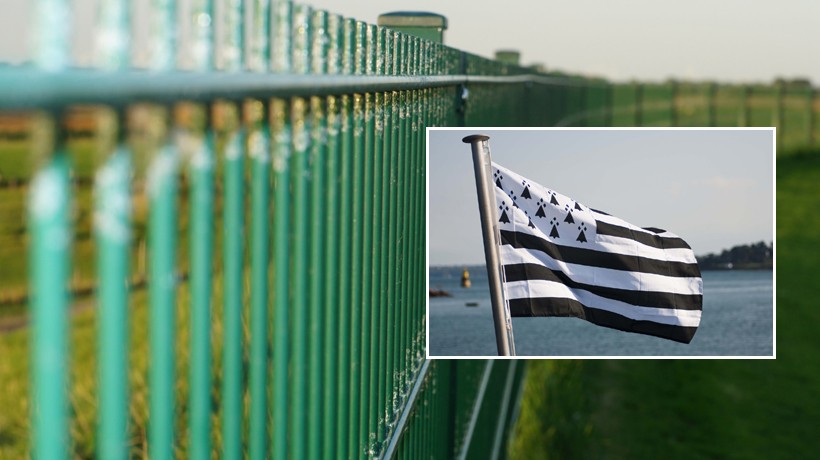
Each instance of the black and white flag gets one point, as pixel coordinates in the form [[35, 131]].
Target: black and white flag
[[562, 258]]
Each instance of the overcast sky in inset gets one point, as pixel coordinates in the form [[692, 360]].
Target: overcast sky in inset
[[714, 188], [726, 40]]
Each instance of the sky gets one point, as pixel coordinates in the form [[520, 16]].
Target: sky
[[726, 40], [713, 188]]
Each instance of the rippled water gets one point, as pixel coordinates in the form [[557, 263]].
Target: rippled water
[[737, 321]]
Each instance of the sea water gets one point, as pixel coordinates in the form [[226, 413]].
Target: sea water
[[737, 321]]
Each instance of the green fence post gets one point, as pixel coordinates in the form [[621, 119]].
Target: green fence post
[[332, 301], [367, 391], [162, 243], [201, 175], [228, 56], [356, 395], [233, 152], [281, 134], [300, 251], [113, 234], [259, 154], [257, 30], [379, 245], [343, 425], [391, 147], [112, 228], [49, 267], [195, 54], [318, 43], [49, 253]]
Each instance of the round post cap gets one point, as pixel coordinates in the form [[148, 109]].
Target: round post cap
[[475, 138]]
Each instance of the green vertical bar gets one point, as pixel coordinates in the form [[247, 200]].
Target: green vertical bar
[[299, 267], [368, 392], [201, 241], [300, 199], [345, 267], [356, 444], [232, 248], [228, 56], [332, 305], [112, 232], [400, 151], [49, 265], [280, 126], [418, 231], [195, 54], [49, 256], [406, 140], [345, 253], [315, 273], [391, 147], [112, 229], [281, 54], [356, 270], [256, 40], [380, 250], [162, 233], [331, 225], [318, 151], [389, 329], [259, 154], [410, 220]]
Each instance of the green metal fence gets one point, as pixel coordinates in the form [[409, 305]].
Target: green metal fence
[[258, 168]]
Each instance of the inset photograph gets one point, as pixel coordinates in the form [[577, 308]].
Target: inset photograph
[[601, 242]]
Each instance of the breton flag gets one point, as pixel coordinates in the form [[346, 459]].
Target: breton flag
[[562, 258]]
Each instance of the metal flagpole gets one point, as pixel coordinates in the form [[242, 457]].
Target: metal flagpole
[[489, 229]]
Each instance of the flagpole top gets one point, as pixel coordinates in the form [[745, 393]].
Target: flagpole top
[[474, 138]]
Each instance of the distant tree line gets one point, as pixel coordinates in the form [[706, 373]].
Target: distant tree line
[[746, 256]]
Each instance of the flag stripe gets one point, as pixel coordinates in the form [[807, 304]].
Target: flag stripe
[[604, 276], [549, 289], [615, 244], [654, 299], [649, 239], [599, 259], [633, 248], [538, 306]]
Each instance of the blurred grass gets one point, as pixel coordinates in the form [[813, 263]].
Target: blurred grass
[[685, 409], [14, 375]]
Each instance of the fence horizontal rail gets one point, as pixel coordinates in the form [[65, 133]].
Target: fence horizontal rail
[[43, 90]]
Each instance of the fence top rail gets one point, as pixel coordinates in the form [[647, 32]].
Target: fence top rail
[[28, 89]]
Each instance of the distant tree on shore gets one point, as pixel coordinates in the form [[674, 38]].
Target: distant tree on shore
[[746, 256]]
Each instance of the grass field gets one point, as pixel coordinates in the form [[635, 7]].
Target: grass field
[[765, 409], [571, 409], [14, 373]]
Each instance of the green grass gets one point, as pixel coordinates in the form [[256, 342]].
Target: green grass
[[683, 409], [14, 375]]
